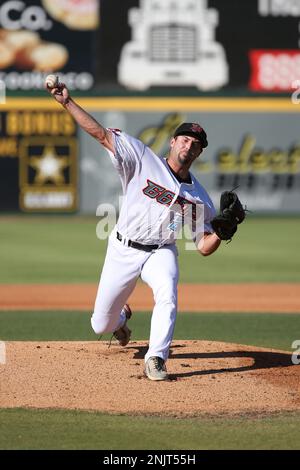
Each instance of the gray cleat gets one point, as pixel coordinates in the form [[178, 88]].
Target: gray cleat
[[155, 368]]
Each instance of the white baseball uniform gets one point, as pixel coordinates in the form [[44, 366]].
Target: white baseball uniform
[[155, 207]]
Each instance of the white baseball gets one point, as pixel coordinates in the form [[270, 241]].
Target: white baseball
[[51, 81]]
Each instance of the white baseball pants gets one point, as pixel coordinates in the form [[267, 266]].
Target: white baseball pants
[[122, 267]]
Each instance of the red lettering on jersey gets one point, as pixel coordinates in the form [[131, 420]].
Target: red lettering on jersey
[[165, 197], [184, 204], [153, 190]]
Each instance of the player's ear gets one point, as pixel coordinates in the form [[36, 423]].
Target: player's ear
[[172, 142]]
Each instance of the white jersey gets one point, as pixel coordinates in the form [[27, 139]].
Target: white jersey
[[155, 204]]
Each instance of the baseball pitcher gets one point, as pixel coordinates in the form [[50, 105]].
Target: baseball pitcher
[[160, 196]]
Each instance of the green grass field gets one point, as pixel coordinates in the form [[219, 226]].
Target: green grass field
[[44, 429], [262, 329], [66, 249]]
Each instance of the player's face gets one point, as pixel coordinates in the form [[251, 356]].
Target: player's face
[[185, 149]]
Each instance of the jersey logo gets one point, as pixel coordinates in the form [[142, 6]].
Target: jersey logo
[[165, 196], [155, 191]]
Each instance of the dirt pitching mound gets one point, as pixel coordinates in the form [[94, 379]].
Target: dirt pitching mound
[[205, 377]]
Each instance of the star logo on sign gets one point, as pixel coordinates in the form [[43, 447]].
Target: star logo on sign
[[49, 167]]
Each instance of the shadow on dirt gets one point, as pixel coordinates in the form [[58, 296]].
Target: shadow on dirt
[[261, 360]]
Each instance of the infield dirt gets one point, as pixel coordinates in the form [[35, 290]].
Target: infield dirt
[[205, 378]]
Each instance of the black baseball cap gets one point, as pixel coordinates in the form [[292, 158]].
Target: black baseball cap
[[193, 129]]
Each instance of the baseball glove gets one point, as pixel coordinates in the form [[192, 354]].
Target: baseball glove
[[231, 214]]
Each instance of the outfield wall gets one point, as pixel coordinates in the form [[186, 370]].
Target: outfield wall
[[48, 164], [253, 144]]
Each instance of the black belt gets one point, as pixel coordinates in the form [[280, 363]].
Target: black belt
[[138, 246]]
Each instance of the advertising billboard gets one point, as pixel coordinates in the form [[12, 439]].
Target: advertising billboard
[[39, 37], [38, 160], [169, 46]]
